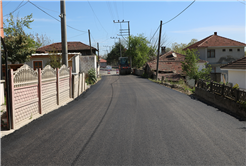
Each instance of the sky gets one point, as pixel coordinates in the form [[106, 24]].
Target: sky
[[200, 20]]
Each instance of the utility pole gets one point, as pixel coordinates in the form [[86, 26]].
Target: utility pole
[[124, 32], [1, 35], [98, 57], [119, 42], [89, 33], [158, 53], [64, 33]]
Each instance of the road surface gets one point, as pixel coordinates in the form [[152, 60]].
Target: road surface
[[128, 120]]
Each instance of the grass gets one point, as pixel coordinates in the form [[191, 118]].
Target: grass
[[181, 85]]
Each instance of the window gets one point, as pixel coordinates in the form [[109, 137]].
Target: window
[[230, 50], [238, 49], [37, 64], [211, 53], [224, 50]]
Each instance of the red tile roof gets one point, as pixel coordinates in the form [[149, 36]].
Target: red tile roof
[[215, 41], [102, 61], [238, 64], [72, 46], [168, 63]]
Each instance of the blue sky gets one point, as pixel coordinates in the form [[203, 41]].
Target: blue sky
[[200, 20]]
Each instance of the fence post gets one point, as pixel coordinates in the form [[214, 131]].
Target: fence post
[[39, 91], [162, 79], [211, 86], [11, 97], [237, 94], [70, 81], [57, 86], [222, 90]]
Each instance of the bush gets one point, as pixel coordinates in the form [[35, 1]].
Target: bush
[[91, 77], [236, 86]]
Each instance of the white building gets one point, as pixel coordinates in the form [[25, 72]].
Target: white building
[[218, 51], [236, 72]]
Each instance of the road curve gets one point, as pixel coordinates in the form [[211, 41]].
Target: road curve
[[128, 120]]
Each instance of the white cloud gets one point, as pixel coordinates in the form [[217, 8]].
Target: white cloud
[[211, 29]]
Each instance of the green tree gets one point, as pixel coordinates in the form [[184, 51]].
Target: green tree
[[20, 45], [114, 54], [55, 60], [179, 47], [190, 67], [139, 50]]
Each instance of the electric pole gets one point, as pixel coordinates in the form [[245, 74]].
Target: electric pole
[[158, 53], [64, 33], [98, 57], [89, 33], [1, 35], [124, 32]]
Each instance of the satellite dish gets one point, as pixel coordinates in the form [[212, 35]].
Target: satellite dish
[[174, 55]]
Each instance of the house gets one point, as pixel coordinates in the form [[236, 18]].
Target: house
[[170, 66], [40, 60], [236, 72], [218, 51], [103, 63], [42, 56], [72, 47]]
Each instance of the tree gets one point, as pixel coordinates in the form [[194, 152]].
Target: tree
[[42, 39], [190, 67], [179, 47], [139, 50], [19, 45], [114, 54], [55, 60]]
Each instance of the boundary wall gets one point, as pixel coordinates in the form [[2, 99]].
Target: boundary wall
[[41, 91]]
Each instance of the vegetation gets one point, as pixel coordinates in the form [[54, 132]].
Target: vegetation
[[114, 54], [55, 61], [190, 67], [140, 51], [179, 47], [20, 45], [91, 77]]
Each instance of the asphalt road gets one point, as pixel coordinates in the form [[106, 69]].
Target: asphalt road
[[127, 120]]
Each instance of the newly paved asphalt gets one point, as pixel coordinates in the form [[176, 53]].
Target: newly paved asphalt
[[127, 120]]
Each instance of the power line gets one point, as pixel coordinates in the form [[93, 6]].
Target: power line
[[97, 17], [77, 35], [179, 13], [18, 7], [54, 17], [173, 18]]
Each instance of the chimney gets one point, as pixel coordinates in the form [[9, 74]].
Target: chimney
[[1, 19], [215, 33], [163, 50]]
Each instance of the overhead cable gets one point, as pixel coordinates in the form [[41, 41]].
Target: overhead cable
[[172, 18], [54, 17], [97, 17]]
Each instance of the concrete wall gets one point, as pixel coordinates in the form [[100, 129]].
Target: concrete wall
[[86, 63], [221, 102], [1, 92], [139, 72], [237, 77]]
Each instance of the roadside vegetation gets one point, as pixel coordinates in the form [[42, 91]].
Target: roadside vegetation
[[91, 77], [180, 86]]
